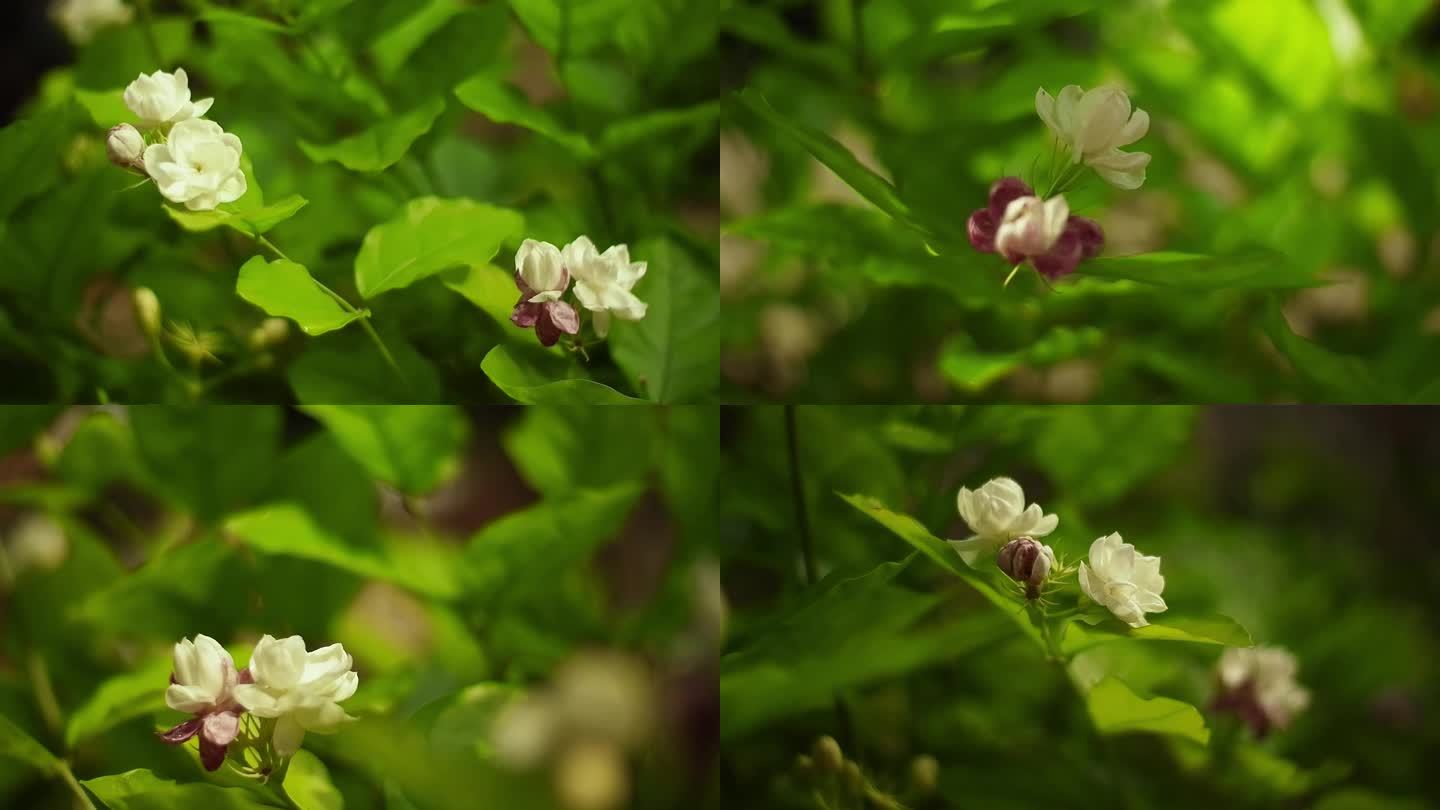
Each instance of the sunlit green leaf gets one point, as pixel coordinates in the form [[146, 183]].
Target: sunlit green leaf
[[1115, 709], [383, 144], [286, 290], [431, 235]]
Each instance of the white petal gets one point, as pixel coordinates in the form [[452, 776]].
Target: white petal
[[601, 322], [201, 107], [1057, 213], [187, 699], [1089, 586], [289, 734], [969, 549], [1045, 108], [579, 254], [1125, 170], [1134, 130]]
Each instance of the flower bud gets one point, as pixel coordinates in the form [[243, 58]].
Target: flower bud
[[924, 774], [853, 778], [270, 332], [827, 754], [125, 147], [147, 310], [1025, 560]]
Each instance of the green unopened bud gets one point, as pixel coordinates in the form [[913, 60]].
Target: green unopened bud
[[853, 778], [828, 756], [147, 310], [804, 763], [924, 774]]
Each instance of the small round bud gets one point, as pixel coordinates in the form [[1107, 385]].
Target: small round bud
[[1025, 560], [804, 763], [125, 147], [147, 310], [270, 332], [924, 774], [828, 756]]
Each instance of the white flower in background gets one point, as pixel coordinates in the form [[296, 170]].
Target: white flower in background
[[1094, 125], [81, 19], [1259, 684], [37, 542], [203, 684], [1127, 583], [301, 690], [161, 99], [1031, 226], [997, 514], [603, 282], [125, 147], [525, 731], [198, 166]]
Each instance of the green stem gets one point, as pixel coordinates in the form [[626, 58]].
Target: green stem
[[348, 307], [150, 41], [1013, 271], [857, 34], [69, 777], [797, 494]]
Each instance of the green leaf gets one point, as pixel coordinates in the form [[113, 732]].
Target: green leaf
[[347, 367], [416, 448], [1329, 376], [225, 16], [432, 234], [533, 377], [972, 371], [1116, 710], [1098, 455], [106, 107], [583, 25], [209, 460], [493, 98], [30, 156], [620, 443], [491, 289], [1254, 270], [673, 353], [286, 290], [913, 532], [250, 221], [383, 144], [523, 552], [308, 784], [847, 631], [16, 744], [120, 698], [143, 790], [1219, 630], [645, 127], [393, 48], [836, 157], [287, 530]]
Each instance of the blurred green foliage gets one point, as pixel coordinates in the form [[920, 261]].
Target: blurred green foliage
[[1308, 525], [404, 149], [460, 556], [1295, 171]]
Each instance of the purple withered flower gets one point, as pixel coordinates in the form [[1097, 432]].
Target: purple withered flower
[[541, 275], [203, 685], [1022, 227]]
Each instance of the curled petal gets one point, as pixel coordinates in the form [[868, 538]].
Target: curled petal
[[981, 228], [1121, 169], [182, 732], [212, 755], [220, 728], [546, 329], [525, 314], [1088, 232], [1005, 191], [564, 316], [1062, 259]]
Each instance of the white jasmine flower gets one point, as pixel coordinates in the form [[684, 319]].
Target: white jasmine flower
[[125, 147], [541, 267], [603, 282], [199, 165], [81, 19], [1094, 125], [1031, 227], [203, 684], [997, 514], [1258, 683], [161, 99], [1127, 583], [301, 690]]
